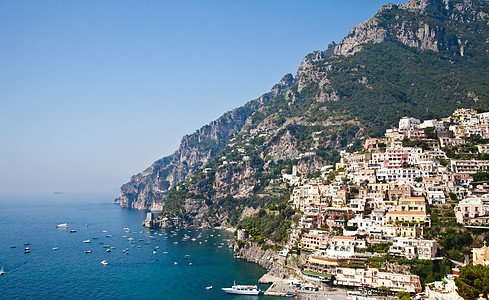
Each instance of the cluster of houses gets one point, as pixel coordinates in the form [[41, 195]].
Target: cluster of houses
[[380, 196]]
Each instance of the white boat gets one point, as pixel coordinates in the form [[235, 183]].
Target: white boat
[[88, 251], [87, 241], [104, 262], [209, 288], [55, 248], [64, 225], [242, 290]]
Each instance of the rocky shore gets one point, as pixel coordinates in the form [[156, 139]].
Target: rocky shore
[[276, 265]]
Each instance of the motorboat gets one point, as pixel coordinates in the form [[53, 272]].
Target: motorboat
[[209, 288], [242, 290], [108, 250], [72, 231], [87, 241], [88, 251], [64, 225], [55, 248], [104, 262]]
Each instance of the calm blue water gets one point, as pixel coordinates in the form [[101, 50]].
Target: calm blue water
[[70, 273]]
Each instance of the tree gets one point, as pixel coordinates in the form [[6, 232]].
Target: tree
[[473, 281]]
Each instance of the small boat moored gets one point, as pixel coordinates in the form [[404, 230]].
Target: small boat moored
[[64, 225], [209, 288], [104, 262]]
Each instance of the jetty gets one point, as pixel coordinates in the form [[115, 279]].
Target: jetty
[[279, 288]]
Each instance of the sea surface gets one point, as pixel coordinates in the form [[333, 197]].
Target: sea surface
[[70, 273]]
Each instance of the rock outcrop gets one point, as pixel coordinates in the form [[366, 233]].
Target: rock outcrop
[[268, 259]]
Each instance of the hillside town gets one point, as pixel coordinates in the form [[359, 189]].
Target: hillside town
[[381, 200]]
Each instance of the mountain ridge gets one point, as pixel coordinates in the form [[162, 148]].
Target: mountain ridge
[[407, 59]]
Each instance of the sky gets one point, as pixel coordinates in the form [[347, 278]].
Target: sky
[[93, 92]]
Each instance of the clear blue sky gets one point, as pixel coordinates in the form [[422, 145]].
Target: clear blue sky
[[92, 92]]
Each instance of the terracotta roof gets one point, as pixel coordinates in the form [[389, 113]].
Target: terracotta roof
[[344, 237]]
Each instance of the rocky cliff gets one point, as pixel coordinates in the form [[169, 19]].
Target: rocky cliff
[[147, 189], [275, 264], [423, 58]]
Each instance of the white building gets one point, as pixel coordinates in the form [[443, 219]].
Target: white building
[[433, 123], [401, 174], [414, 248], [435, 197], [407, 123]]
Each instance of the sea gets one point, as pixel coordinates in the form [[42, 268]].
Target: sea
[[161, 264]]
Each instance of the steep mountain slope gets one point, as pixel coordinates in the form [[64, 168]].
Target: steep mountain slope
[[146, 189], [423, 58]]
